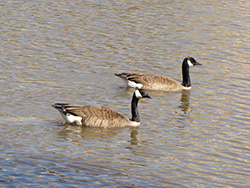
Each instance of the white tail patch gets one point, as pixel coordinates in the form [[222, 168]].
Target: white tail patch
[[134, 85], [69, 118], [131, 83]]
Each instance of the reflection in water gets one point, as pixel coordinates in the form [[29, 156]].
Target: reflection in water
[[68, 52], [185, 101], [90, 133], [133, 135], [70, 132]]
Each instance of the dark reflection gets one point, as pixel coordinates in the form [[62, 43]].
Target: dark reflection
[[133, 134], [92, 133], [185, 101], [89, 133]]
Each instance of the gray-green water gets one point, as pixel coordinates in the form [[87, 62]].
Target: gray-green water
[[67, 51]]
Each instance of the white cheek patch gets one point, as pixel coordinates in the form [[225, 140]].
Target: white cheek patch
[[134, 85], [138, 94], [190, 64]]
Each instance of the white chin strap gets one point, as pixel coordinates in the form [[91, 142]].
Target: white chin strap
[[138, 94], [189, 63]]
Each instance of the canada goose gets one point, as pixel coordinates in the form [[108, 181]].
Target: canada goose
[[160, 82], [97, 116]]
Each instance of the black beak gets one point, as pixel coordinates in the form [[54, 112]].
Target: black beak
[[146, 96]]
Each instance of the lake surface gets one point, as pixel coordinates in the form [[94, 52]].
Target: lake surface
[[68, 51]]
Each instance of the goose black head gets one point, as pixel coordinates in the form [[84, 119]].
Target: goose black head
[[191, 61], [141, 93]]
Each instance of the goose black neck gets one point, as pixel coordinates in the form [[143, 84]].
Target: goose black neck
[[186, 82], [134, 109]]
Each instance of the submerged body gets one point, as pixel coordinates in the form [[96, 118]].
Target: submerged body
[[160, 82], [97, 116]]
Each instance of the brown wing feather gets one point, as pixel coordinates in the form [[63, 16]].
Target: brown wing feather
[[153, 82], [97, 116]]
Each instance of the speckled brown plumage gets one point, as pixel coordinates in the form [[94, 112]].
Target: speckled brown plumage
[[97, 116], [152, 82]]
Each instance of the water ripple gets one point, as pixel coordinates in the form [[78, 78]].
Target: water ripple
[[68, 52]]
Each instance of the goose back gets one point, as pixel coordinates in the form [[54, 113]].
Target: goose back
[[151, 81], [94, 116]]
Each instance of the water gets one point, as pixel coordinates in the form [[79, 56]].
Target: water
[[68, 51]]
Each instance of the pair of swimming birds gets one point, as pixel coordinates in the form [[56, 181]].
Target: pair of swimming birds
[[97, 116]]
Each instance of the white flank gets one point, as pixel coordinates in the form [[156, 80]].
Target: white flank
[[72, 119], [133, 84], [190, 64]]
